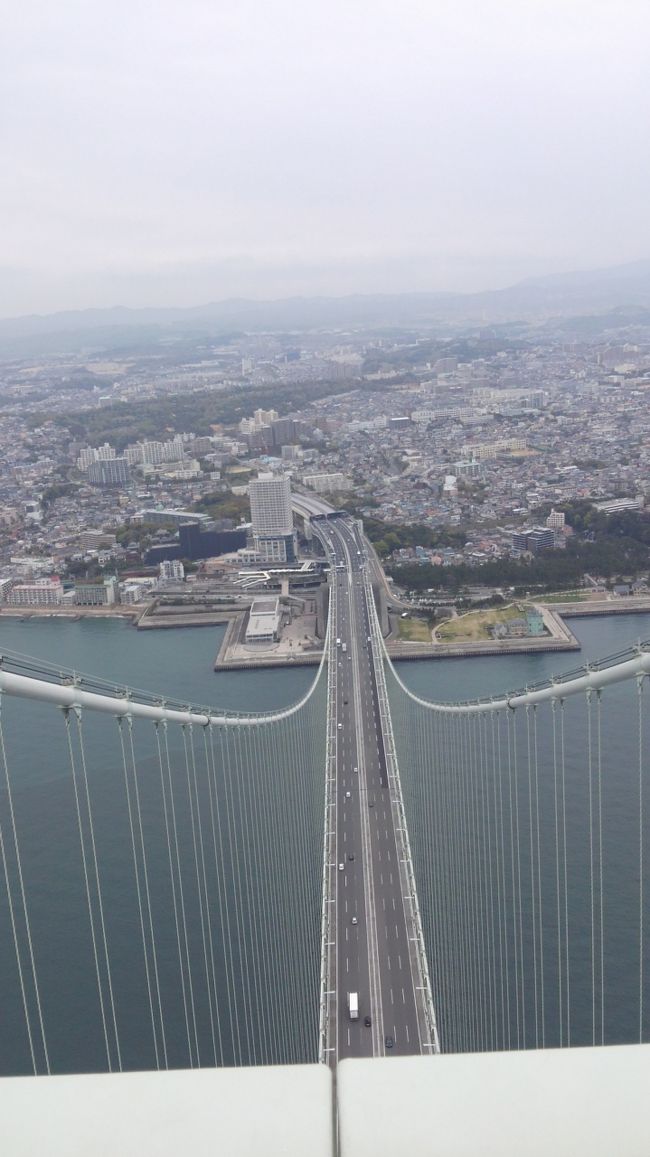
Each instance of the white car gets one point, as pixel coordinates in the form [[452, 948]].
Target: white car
[[354, 920], [340, 726], [341, 867]]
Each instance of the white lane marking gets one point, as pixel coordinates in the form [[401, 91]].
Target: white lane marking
[[392, 1000], [403, 997]]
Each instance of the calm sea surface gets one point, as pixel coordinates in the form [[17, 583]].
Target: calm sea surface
[[177, 663]]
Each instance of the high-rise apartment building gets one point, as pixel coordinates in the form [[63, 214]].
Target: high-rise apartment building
[[90, 454], [272, 517], [109, 472]]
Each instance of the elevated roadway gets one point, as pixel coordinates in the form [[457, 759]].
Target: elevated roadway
[[375, 944]]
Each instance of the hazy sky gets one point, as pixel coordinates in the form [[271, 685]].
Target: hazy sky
[[179, 151]]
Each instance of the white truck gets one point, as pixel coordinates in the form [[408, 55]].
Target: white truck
[[353, 1005]]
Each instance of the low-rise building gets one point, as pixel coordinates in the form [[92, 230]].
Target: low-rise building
[[136, 591], [171, 571], [100, 593], [42, 593], [263, 621]]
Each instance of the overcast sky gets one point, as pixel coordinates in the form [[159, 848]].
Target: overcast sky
[[159, 152]]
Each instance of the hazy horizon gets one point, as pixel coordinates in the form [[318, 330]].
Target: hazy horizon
[[196, 153]]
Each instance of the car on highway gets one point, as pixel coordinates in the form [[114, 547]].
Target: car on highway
[[348, 795], [389, 1042], [354, 920], [341, 867], [350, 855], [367, 1021], [340, 726]]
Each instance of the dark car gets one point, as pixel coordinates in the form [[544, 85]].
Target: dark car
[[367, 1021], [389, 1042], [351, 856]]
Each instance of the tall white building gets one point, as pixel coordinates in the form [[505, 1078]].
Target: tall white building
[[95, 454], [272, 518], [152, 453]]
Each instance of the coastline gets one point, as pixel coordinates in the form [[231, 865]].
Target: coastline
[[71, 613], [230, 658]]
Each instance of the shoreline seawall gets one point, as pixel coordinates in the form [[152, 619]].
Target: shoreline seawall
[[560, 639]]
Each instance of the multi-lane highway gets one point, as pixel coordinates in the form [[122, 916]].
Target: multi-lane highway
[[373, 949]]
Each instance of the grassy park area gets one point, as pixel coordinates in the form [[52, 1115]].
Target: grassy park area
[[581, 596], [414, 630], [474, 627]]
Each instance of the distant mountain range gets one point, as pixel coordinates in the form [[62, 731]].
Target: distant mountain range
[[624, 287]]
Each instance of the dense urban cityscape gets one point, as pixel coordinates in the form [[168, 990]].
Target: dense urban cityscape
[[460, 451]]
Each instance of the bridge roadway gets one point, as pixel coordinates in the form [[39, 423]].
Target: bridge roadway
[[374, 951]]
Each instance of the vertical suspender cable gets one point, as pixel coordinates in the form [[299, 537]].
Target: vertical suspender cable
[[538, 858], [98, 888], [519, 905], [199, 890], [12, 916], [145, 874], [567, 964], [136, 870], [211, 979], [590, 770], [181, 891], [533, 897], [600, 864], [172, 877], [557, 875], [91, 915], [640, 683], [510, 718]]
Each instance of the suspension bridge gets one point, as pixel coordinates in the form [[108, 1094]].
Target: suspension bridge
[[364, 874]]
